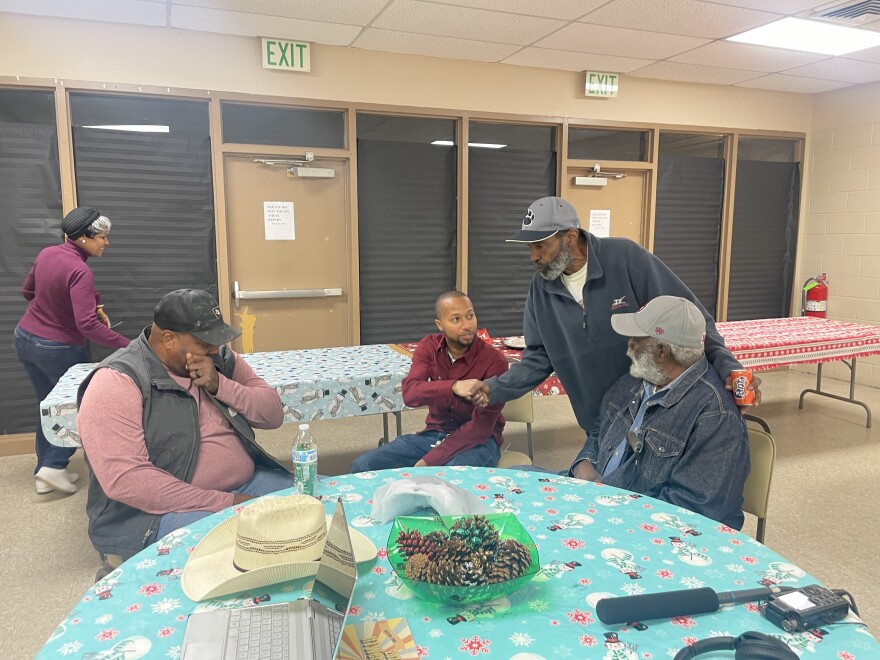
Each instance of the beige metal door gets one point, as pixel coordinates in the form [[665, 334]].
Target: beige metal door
[[315, 262], [624, 198]]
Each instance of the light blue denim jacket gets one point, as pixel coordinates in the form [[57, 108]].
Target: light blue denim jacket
[[695, 446]]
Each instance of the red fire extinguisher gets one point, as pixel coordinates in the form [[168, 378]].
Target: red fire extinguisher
[[814, 301]]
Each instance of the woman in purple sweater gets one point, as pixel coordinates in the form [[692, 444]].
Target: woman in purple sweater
[[63, 315]]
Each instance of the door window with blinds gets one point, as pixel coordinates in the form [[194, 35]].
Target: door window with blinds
[[687, 227], [510, 166], [30, 220], [765, 226], [146, 164], [406, 223]]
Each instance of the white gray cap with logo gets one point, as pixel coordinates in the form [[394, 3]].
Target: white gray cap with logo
[[669, 319]]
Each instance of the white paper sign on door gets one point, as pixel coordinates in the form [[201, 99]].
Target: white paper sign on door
[[278, 221], [600, 223]]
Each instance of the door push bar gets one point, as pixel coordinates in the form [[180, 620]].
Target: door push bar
[[238, 294]]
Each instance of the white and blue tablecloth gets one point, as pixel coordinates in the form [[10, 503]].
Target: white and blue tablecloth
[[321, 383], [594, 541]]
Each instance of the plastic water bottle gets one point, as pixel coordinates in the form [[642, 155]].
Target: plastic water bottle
[[305, 461]]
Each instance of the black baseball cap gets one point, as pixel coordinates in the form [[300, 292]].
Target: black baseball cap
[[195, 312]]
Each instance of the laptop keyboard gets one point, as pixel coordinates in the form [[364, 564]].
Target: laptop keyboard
[[263, 632]]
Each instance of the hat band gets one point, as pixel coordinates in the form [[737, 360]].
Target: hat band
[[265, 547]]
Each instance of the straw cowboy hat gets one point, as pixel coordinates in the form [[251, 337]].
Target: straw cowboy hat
[[273, 540]]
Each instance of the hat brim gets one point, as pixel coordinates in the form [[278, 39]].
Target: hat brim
[[625, 324], [209, 571], [525, 236], [222, 334]]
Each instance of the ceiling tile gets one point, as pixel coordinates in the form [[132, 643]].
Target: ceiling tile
[[570, 61], [323, 11], [567, 10], [783, 83], [776, 6], [255, 25], [464, 23], [586, 38], [867, 55], [840, 68], [746, 56], [425, 44], [695, 73], [136, 12], [689, 17]]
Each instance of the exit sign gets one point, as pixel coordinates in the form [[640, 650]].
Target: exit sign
[[600, 83], [286, 55]]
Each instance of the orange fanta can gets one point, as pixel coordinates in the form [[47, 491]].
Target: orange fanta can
[[742, 395]]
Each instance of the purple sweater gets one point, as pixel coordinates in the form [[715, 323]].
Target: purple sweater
[[63, 300]]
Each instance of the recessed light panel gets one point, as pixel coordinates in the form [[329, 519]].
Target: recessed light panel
[[810, 36]]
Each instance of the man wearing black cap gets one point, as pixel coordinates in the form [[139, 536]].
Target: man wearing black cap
[[166, 425], [582, 281]]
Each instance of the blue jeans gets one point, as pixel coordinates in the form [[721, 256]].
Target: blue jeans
[[45, 362], [264, 481], [407, 450]]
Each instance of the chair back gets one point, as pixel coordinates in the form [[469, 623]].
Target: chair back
[[756, 492], [521, 409]]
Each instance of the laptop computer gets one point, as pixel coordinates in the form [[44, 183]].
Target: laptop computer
[[305, 629]]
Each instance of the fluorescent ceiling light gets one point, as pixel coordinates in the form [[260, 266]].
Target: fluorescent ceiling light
[[135, 128], [483, 145], [810, 36]]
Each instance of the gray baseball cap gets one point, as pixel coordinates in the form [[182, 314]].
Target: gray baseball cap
[[669, 319], [546, 217]]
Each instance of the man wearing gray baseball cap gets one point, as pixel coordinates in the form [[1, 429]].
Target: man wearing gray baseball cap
[[582, 282], [668, 428]]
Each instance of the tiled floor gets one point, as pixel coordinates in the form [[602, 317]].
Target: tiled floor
[[822, 510]]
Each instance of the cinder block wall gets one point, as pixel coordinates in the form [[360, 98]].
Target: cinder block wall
[[841, 232]]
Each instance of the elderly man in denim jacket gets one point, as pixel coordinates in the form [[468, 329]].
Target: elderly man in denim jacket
[[669, 429]]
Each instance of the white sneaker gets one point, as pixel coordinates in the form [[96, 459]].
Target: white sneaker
[[53, 479], [71, 476]]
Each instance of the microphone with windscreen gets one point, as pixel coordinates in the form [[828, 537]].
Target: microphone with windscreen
[[667, 605]]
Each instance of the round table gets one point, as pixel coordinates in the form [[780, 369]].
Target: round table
[[593, 541]]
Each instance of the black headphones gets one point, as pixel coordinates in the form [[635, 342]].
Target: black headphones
[[750, 645]]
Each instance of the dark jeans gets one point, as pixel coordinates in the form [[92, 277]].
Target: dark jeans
[[45, 362], [406, 450]]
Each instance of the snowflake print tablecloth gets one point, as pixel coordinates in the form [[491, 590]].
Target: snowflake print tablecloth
[[321, 383], [594, 541]]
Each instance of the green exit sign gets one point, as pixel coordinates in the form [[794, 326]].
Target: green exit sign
[[286, 55], [603, 84]]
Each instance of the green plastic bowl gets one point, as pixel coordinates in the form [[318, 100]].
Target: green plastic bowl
[[508, 527]]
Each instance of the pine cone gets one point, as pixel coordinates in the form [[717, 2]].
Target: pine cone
[[476, 531], [512, 560], [470, 571], [416, 567], [443, 572], [413, 543], [453, 549]]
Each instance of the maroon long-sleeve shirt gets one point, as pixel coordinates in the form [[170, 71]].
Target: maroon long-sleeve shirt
[[429, 383], [61, 289]]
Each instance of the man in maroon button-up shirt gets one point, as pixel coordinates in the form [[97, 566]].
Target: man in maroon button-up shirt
[[456, 433]]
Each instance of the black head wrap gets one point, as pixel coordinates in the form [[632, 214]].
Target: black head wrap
[[77, 222]]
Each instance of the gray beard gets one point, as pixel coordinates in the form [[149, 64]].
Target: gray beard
[[645, 367], [556, 267]]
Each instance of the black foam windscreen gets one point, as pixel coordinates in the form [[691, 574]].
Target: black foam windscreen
[[644, 607]]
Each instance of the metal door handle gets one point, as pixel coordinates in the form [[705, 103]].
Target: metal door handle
[[238, 294]]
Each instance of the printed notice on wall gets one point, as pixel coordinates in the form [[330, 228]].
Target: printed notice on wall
[[600, 223], [278, 219]]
